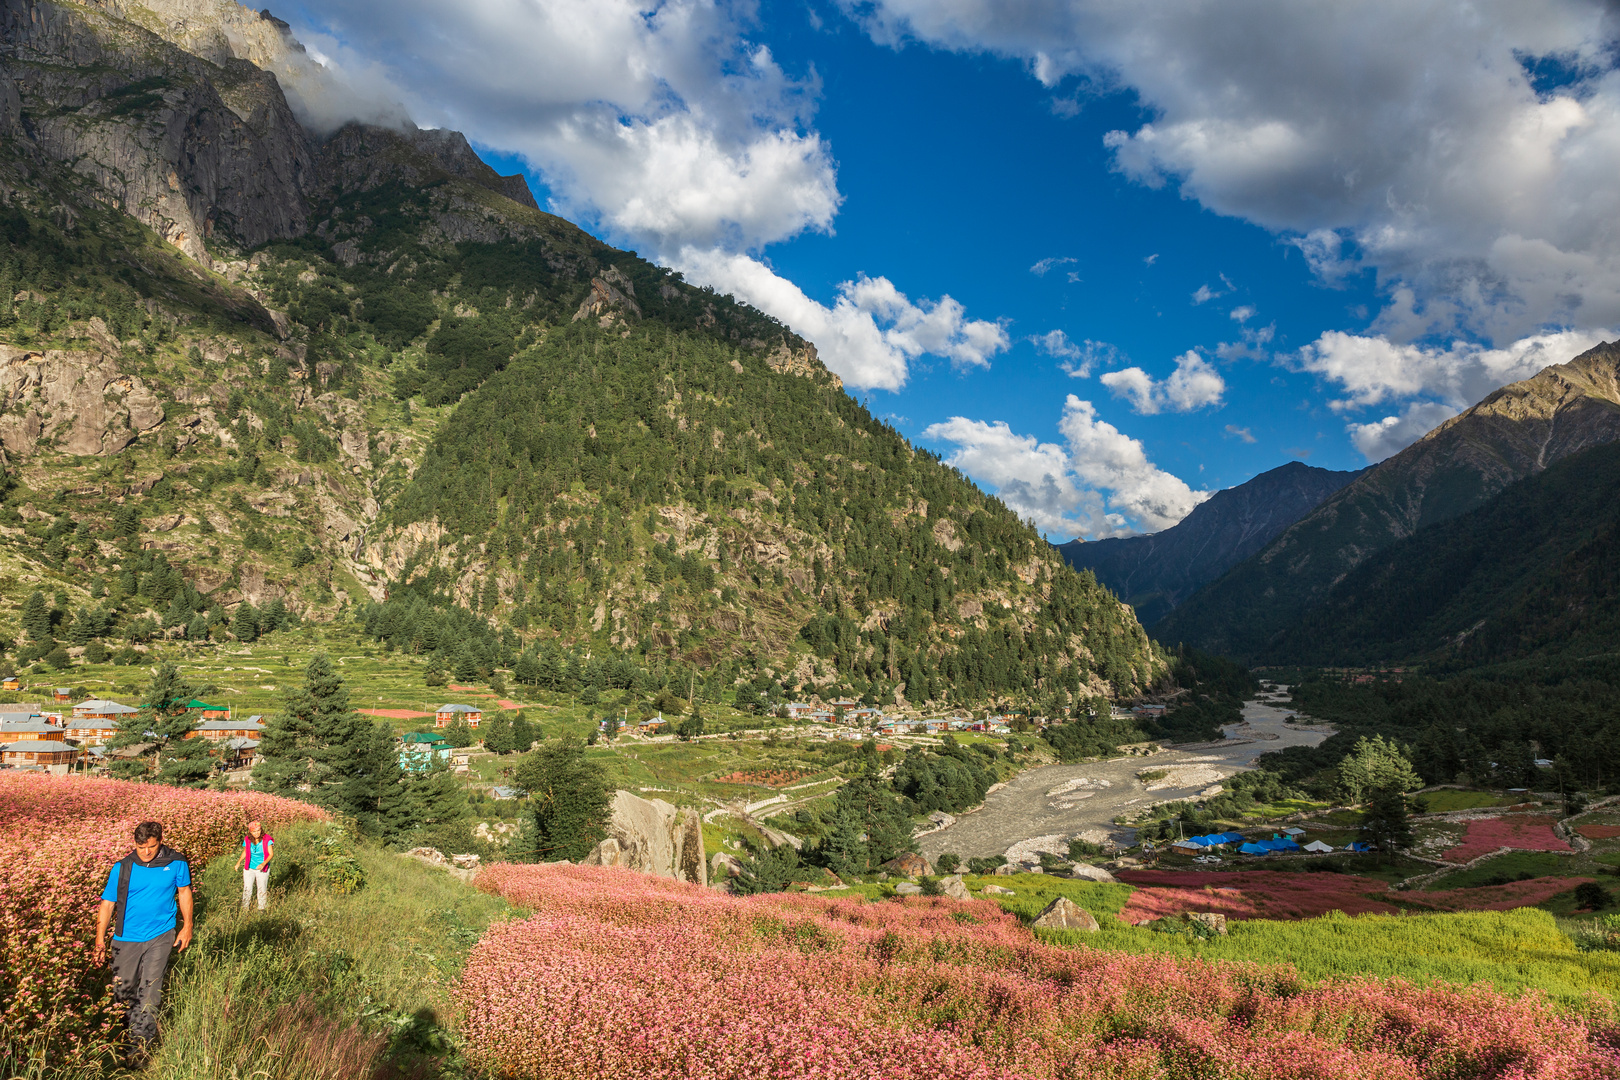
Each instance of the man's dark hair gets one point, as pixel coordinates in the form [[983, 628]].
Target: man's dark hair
[[148, 830]]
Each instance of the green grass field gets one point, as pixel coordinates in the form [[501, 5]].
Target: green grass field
[[322, 976], [1510, 865], [1448, 799]]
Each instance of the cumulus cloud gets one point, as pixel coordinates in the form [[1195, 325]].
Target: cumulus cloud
[[1409, 139], [1100, 483], [870, 334], [1382, 438], [1435, 382], [1193, 385], [662, 121], [1371, 370]]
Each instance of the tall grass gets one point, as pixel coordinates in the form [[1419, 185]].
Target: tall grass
[[323, 986]]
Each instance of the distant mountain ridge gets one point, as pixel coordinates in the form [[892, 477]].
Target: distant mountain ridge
[[1531, 573], [1155, 573], [1517, 431]]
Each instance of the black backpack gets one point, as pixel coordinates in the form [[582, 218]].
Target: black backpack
[[126, 866]]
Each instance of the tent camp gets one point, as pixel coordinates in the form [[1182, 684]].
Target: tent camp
[[1318, 847], [1266, 847], [1358, 847], [1216, 839]]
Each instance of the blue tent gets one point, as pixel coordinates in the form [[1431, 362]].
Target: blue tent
[[1358, 846], [1254, 849], [1279, 845]]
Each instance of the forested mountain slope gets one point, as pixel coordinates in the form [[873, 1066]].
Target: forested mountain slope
[[1517, 431], [1531, 572], [316, 369], [1155, 573]]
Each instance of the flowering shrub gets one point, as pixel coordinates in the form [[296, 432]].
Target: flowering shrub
[[1271, 895], [629, 976], [1522, 831], [58, 838]]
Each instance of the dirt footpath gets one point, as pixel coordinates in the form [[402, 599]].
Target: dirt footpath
[[1041, 809]]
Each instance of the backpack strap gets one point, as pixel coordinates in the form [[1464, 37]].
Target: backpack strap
[[126, 866]]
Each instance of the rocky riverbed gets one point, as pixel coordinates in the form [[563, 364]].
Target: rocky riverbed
[[1041, 809]]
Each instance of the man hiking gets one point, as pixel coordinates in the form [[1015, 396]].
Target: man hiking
[[145, 889], [258, 848]]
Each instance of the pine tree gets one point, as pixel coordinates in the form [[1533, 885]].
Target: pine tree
[[523, 733], [245, 623], [165, 721], [459, 733], [436, 797], [1385, 823], [36, 618], [569, 800], [497, 732]]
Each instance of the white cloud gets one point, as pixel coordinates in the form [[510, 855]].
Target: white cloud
[[871, 333], [1242, 433], [660, 120], [1381, 438], [1193, 385], [1061, 488], [1040, 268], [1403, 138], [1079, 360], [1242, 314], [1204, 295], [1371, 370]]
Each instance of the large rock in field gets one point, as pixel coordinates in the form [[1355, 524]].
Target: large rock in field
[[954, 888], [997, 890], [1088, 872], [653, 837], [1065, 914], [1213, 921], [908, 864]]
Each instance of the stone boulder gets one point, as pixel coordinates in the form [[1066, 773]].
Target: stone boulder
[[722, 868], [908, 864], [653, 837], [954, 888], [997, 890], [908, 888], [1087, 872], [1214, 921], [1065, 914]]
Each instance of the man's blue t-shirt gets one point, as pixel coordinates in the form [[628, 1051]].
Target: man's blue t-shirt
[[151, 907]]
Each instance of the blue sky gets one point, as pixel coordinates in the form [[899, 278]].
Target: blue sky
[[1106, 260]]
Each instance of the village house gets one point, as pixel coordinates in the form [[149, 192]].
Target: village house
[[445, 715], [419, 749], [11, 682], [240, 753], [102, 709], [206, 711], [51, 755], [798, 710], [62, 695], [224, 730], [29, 726]]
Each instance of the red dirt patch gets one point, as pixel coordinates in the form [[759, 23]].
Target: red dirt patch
[[1599, 832], [395, 714], [1525, 832], [1267, 895], [764, 777]]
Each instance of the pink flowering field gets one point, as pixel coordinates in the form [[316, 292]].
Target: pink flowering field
[[1523, 831], [627, 976], [58, 838], [1263, 894]]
